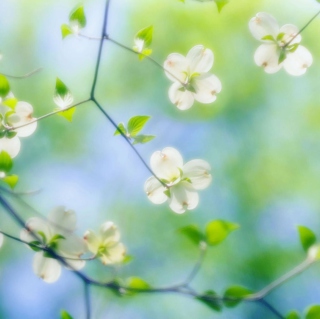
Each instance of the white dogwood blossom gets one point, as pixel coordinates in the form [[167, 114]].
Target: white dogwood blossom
[[55, 233], [14, 113], [281, 46], [182, 180], [191, 80], [106, 244]]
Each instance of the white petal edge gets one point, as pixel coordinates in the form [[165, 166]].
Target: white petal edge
[[155, 190], [24, 110], [62, 220], [198, 171], [183, 197], [176, 66], [207, 86], [10, 145], [180, 97], [263, 24], [297, 62], [166, 164], [48, 269], [290, 31], [267, 56], [200, 59]]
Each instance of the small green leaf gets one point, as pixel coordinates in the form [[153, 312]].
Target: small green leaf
[[280, 36], [43, 236], [61, 89], [313, 312], [33, 245], [136, 124], [307, 237], [6, 162], [145, 35], [235, 292], [293, 47], [282, 56], [211, 299], [293, 315], [127, 259], [11, 134], [144, 53], [11, 180], [78, 16], [218, 230], [193, 233], [65, 315], [4, 86], [65, 30], [268, 37], [10, 102], [136, 283], [67, 114], [120, 128], [220, 4], [167, 193], [56, 238], [142, 139]]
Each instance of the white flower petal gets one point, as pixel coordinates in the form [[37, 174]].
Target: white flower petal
[[24, 111], [200, 59], [198, 171], [37, 225], [75, 264], [175, 67], [115, 254], [290, 31], [109, 232], [92, 241], [72, 246], [63, 220], [297, 62], [263, 24], [267, 56], [155, 190], [166, 164], [206, 86], [183, 197], [47, 269], [10, 145], [180, 97], [63, 101]]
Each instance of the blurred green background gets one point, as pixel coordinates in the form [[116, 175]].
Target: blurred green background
[[261, 137]]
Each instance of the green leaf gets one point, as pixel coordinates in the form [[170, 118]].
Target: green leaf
[[120, 128], [268, 37], [145, 35], [43, 236], [61, 89], [67, 114], [218, 230], [11, 134], [78, 16], [136, 283], [136, 124], [65, 30], [282, 56], [142, 139], [280, 36], [307, 237], [65, 315], [33, 245], [235, 292], [56, 238], [127, 259], [4, 86], [313, 312], [6, 162], [193, 233], [293, 47], [11, 180], [10, 102], [210, 299], [220, 4], [293, 315]]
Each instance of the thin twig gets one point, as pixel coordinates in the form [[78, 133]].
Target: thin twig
[[87, 299], [22, 76]]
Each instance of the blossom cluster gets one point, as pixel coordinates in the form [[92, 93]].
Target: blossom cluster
[[14, 113], [55, 243], [176, 182], [281, 46]]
